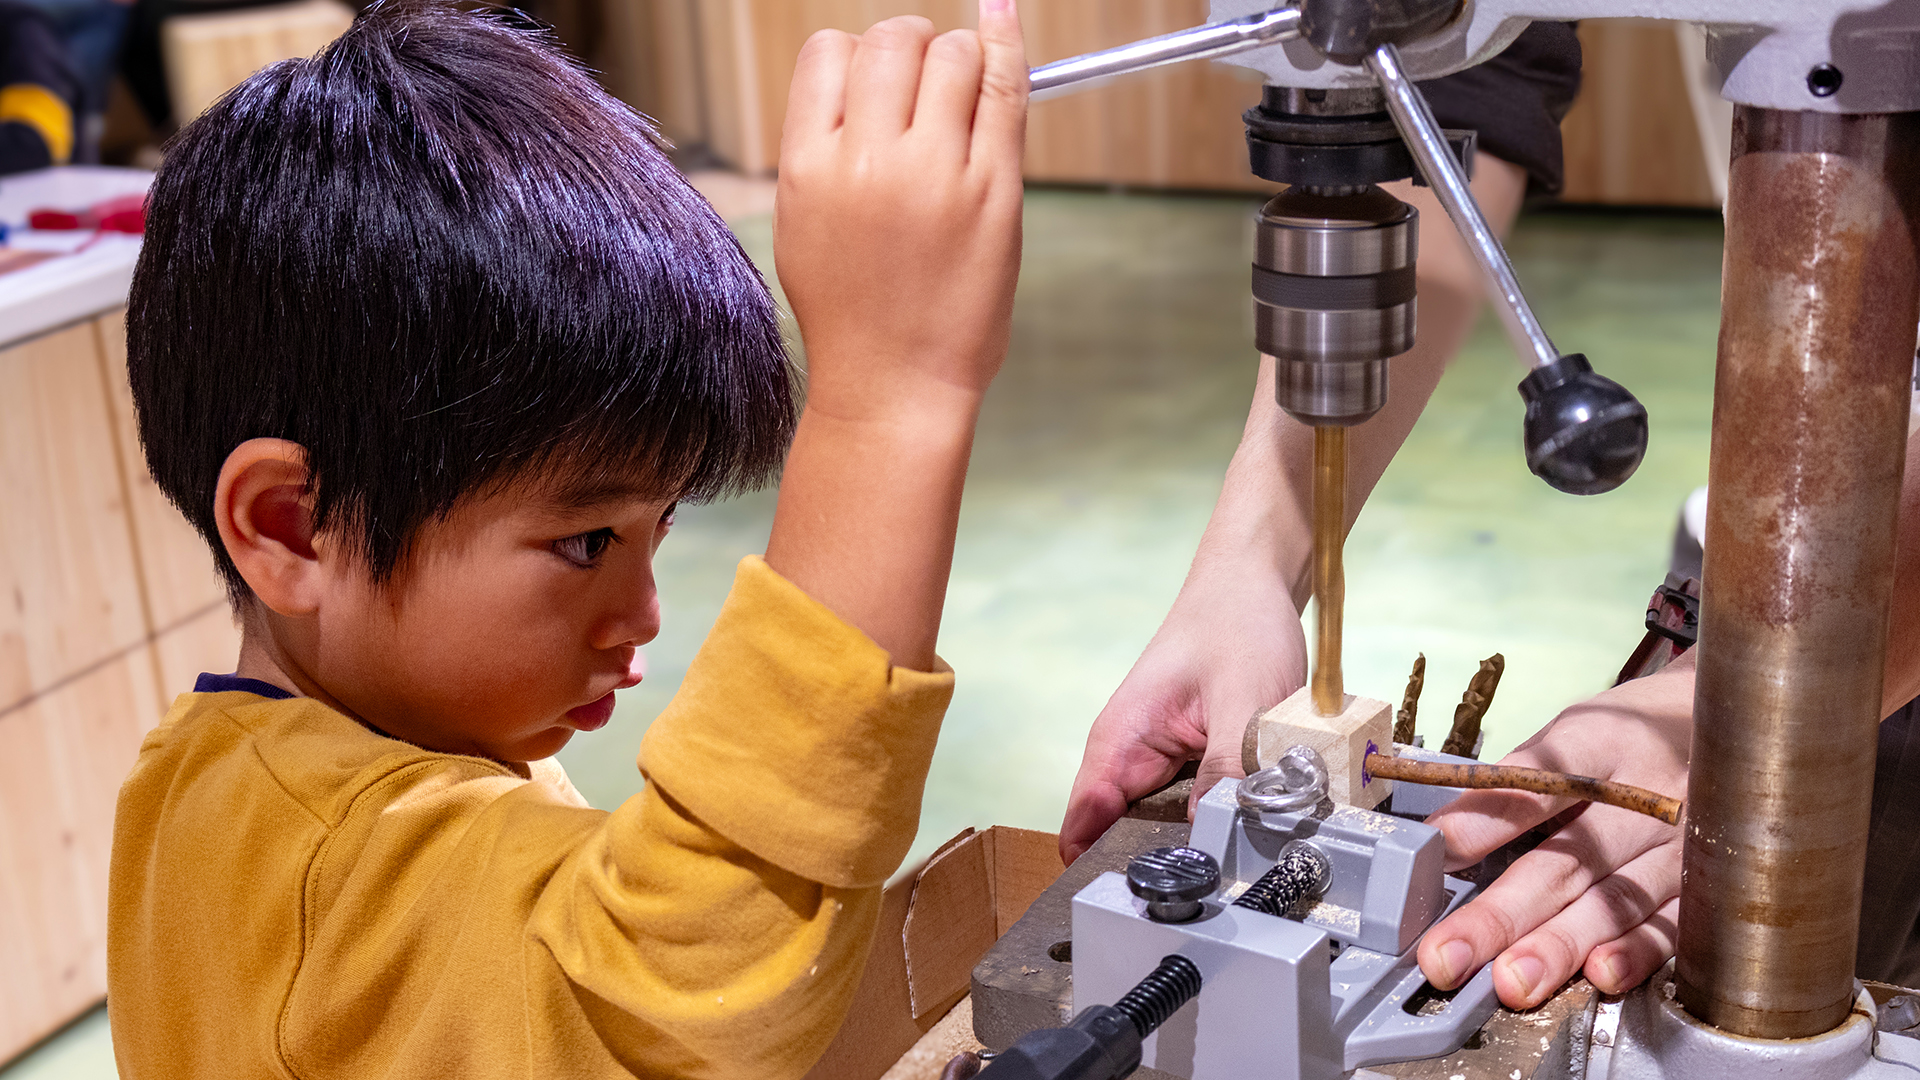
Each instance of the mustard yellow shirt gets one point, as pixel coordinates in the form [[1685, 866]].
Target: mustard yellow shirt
[[294, 895]]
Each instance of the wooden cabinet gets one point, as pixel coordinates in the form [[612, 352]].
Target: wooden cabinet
[[109, 606], [714, 73]]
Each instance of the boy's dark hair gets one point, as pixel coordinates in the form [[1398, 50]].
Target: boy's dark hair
[[440, 258]]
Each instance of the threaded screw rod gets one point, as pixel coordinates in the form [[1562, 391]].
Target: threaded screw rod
[[1174, 983], [1301, 870]]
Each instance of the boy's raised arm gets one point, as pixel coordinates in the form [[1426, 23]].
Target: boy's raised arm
[[897, 239]]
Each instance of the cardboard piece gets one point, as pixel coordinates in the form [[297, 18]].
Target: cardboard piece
[[935, 923], [1344, 741]]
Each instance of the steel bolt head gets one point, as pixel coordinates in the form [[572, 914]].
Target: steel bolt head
[[1173, 881], [1824, 80]]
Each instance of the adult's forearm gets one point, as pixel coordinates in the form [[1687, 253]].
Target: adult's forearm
[[867, 514], [1265, 507], [1902, 682]]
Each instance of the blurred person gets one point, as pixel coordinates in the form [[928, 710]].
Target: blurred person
[[41, 91]]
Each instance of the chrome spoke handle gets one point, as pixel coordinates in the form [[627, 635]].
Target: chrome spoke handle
[[1194, 43], [1449, 182]]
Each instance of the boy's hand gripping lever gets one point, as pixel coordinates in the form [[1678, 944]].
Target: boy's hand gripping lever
[[1585, 434]]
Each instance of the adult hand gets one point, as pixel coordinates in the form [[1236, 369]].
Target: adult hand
[[1602, 895], [1231, 646]]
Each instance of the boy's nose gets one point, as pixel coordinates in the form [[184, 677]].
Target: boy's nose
[[634, 621]]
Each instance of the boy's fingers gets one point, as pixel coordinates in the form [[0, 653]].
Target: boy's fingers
[[949, 88], [819, 94], [1000, 120], [883, 79]]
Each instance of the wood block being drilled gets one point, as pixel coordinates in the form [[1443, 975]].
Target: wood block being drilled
[[1343, 740]]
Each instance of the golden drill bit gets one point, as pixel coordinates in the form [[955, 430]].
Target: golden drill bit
[[1410, 704], [1329, 578], [1473, 706]]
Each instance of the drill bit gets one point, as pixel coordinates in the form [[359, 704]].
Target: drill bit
[[1329, 577], [1410, 703], [1473, 705]]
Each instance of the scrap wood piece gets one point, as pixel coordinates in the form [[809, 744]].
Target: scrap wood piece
[[1518, 778], [1410, 702], [1473, 706]]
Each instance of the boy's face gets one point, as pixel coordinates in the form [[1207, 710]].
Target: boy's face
[[508, 630]]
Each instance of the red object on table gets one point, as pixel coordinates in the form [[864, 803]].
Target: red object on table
[[126, 214]]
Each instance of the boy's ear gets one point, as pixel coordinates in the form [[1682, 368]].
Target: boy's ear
[[264, 511]]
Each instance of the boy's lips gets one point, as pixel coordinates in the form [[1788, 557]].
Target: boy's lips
[[594, 715]]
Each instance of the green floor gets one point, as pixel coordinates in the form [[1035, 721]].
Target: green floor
[[1101, 453]]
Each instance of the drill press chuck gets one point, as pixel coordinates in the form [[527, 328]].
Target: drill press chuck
[[1333, 269], [1333, 288]]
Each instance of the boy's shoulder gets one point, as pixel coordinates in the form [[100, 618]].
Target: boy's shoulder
[[238, 749]]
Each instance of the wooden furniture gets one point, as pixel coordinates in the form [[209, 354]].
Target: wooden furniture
[[207, 55], [714, 73], [1635, 135], [108, 607]]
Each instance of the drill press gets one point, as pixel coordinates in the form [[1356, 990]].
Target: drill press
[[1815, 351], [1813, 368]]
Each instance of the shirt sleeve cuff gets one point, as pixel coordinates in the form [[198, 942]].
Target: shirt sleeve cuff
[[794, 736]]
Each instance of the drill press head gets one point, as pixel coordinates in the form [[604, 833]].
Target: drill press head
[[1333, 270]]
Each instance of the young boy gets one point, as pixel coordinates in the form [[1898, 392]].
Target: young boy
[[428, 339]]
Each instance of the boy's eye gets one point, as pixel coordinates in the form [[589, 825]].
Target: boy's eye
[[586, 548], [666, 519]]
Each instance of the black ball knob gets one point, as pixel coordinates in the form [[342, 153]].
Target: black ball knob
[[1585, 433], [1173, 881]]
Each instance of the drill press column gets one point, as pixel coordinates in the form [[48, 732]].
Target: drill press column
[[1809, 433]]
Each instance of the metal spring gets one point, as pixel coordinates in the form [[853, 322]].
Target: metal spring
[[1169, 986], [1300, 870]]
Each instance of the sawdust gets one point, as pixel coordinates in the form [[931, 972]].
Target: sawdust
[[953, 1034]]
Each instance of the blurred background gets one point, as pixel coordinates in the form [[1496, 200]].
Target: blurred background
[[1101, 450]]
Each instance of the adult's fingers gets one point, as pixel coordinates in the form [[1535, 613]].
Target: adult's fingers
[[1537, 887], [818, 97], [1136, 744], [1000, 119], [1626, 962], [1222, 759], [949, 89], [883, 79], [1480, 822], [1542, 960], [1091, 811]]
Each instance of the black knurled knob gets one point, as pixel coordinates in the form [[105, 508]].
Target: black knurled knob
[[1173, 881], [1585, 434]]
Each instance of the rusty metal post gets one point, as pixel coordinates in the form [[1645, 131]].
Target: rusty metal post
[[1810, 408]]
